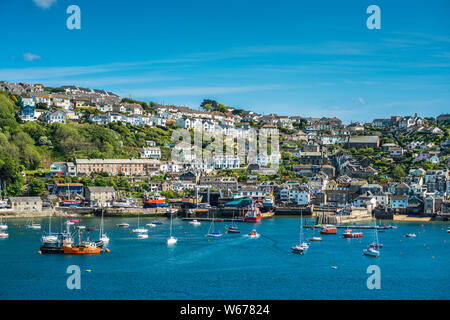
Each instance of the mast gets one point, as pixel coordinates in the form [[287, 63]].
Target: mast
[[170, 233], [301, 226]]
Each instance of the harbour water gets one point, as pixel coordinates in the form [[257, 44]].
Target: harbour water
[[231, 267]]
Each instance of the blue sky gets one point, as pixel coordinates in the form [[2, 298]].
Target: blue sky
[[308, 58]]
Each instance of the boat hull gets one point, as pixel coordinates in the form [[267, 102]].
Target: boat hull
[[81, 250], [353, 235]]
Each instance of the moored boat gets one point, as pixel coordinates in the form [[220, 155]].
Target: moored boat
[[348, 234], [71, 203], [2, 226], [410, 235], [154, 201], [371, 251], [328, 229], [253, 214], [195, 222], [298, 249], [83, 247], [4, 234], [123, 225], [233, 229]]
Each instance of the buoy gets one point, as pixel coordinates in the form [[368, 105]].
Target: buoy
[[39, 251], [107, 250], [88, 270]]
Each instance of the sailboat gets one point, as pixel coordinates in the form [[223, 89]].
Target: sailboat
[[172, 240], [140, 230], [302, 246], [371, 250], [313, 238], [2, 226], [34, 226], [233, 228], [3, 234], [102, 235], [211, 232], [50, 238]]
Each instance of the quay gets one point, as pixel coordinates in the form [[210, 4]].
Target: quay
[[347, 227]]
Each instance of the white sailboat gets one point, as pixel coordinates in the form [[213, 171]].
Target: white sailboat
[[302, 246], [172, 240], [372, 250], [2, 226], [211, 232], [34, 226], [140, 230], [102, 235], [50, 238]]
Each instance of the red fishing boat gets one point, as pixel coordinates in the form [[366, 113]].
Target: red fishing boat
[[253, 214], [348, 234], [328, 229]]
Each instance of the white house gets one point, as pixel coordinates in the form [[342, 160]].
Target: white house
[[62, 102], [55, 116], [151, 152]]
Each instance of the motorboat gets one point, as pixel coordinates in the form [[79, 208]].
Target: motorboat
[[195, 222]]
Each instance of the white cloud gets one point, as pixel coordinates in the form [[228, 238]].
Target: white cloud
[[30, 56], [44, 4]]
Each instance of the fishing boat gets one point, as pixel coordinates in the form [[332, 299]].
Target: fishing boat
[[253, 234], [191, 202], [139, 229], [83, 247], [410, 235], [154, 201], [253, 214], [195, 222], [233, 228], [371, 250], [348, 234], [70, 203], [211, 232], [328, 229], [313, 238], [172, 240], [2, 226], [102, 235], [123, 225]]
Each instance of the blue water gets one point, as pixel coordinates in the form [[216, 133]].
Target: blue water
[[231, 267]]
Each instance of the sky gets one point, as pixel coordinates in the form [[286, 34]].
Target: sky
[[307, 58]]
